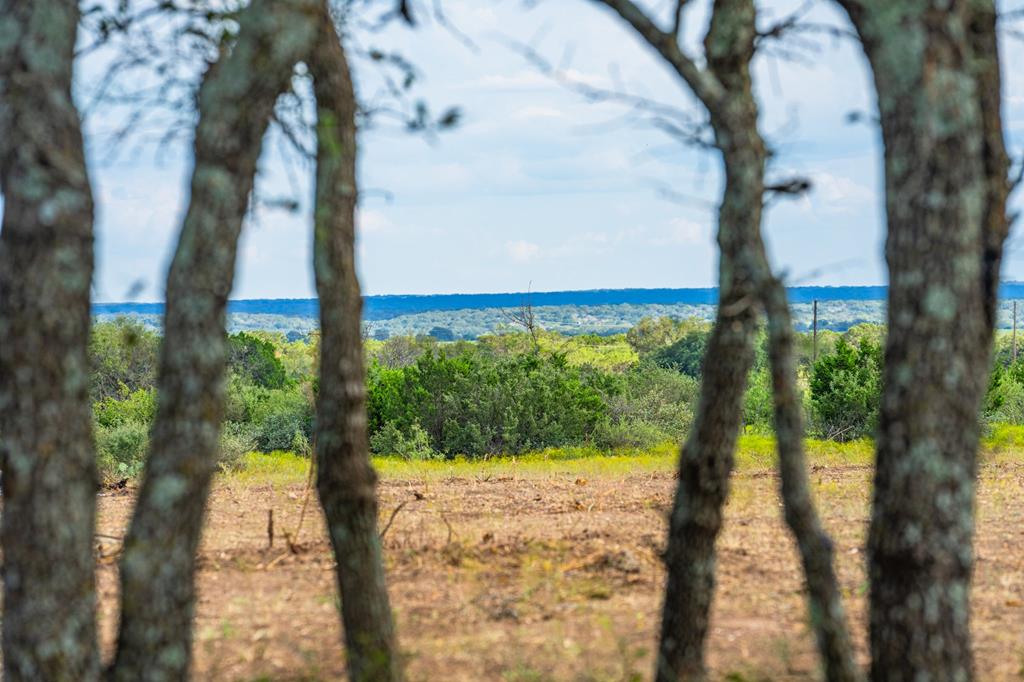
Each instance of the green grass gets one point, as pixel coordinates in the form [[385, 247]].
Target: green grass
[[1002, 438], [754, 453], [607, 353], [274, 468]]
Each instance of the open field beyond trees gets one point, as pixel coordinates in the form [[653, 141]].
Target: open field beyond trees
[[547, 567]]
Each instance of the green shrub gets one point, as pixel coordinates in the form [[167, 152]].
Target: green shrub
[[136, 407], [279, 415], [236, 441], [123, 358], [475, 403], [300, 445], [640, 435], [685, 355], [414, 446], [846, 391], [255, 359], [1004, 400], [121, 449], [648, 406], [759, 402]]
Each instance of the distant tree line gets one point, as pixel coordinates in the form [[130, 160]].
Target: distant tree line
[[501, 395]]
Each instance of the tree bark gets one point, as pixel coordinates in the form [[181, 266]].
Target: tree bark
[[828, 618], [235, 103], [745, 284], [46, 265], [707, 458], [346, 481], [936, 72]]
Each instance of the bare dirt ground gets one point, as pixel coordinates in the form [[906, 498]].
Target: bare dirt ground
[[555, 577]]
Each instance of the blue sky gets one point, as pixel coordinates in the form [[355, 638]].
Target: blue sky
[[539, 187]]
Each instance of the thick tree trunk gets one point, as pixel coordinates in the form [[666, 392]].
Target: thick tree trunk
[[345, 479], [235, 100], [937, 77], [825, 602], [46, 264]]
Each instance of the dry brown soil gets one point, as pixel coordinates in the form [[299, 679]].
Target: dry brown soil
[[550, 577]]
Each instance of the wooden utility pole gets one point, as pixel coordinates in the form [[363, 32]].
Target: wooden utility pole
[[814, 326]]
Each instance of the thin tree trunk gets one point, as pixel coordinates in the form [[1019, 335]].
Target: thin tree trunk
[[825, 602], [936, 73], [704, 469], [346, 481], [235, 101], [46, 265], [707, 458], [745, 283]]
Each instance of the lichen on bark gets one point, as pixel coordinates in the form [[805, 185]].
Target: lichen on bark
[[936, 73], [746, 286], [346, 481], [235, 100], [46, 264]]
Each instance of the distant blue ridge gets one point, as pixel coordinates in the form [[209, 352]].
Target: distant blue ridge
[[387, 307]]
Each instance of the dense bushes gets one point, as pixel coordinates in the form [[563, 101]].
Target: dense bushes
[[503, 394], [255, 360], [474, 403], [650, 405], [268, 397], [122, 426], [121, 449], [685, 355], [846, 388], [124, 356]]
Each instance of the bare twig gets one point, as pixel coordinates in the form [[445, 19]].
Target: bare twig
[[677, 17], [704, 84], [670, 119], [391, 519], [524, 317], [270, 528]]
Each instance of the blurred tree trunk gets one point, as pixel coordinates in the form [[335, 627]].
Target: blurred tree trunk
[[235, 103], [745, 284], [825, 603], [936, 72], [707, 458], [345, 479], [46, 265]]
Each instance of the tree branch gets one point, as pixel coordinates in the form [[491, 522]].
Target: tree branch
[[705, 86], [677, 18]]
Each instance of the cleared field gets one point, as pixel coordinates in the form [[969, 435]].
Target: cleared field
[[548, 569]]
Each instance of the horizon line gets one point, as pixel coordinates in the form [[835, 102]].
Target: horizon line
[[521, 293]]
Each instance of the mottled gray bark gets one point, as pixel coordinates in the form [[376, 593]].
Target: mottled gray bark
[[746, 282], [707, 458], [235, 101], [936, 72], [46, 264], [828, 618], [346, 481]]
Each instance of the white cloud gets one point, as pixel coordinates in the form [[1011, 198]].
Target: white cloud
[[681, 231], [522, 80], [529, 79], [522, 251], [369, 221], [537, 112], [839, 189]]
